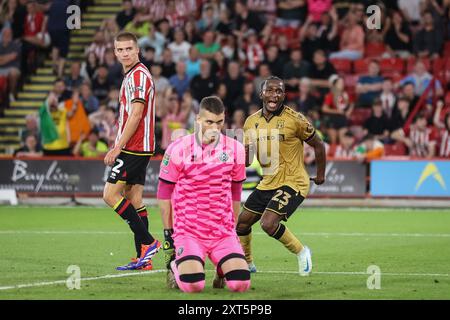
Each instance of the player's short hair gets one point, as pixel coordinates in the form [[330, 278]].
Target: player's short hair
[[270, 79], [126, 36], [212, 104]]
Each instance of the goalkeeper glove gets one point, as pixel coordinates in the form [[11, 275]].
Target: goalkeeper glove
[[168, 247]]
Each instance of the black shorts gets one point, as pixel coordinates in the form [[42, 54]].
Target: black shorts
[[283, 201], [129, 169]]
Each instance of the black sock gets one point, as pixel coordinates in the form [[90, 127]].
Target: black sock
[[129, 214], [142, 212]]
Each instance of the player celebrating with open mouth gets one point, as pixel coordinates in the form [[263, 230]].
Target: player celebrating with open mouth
[[285, 182]]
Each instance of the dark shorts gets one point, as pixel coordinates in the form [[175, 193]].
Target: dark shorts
[[60, 40], [129, 169], [283, 201]]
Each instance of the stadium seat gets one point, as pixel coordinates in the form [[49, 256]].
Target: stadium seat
[[374, 50], [396, 149], [359, 116], [392, 66], [447, 99], [361, 66], [342, 66], [446, 51]]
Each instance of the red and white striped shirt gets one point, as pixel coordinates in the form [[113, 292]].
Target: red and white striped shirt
[[421, 139], [138, 86], [444, 148]]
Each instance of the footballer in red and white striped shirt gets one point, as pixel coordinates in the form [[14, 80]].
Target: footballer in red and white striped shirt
[[135, 143]]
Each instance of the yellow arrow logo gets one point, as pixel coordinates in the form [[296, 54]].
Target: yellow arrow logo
[[431, 171]]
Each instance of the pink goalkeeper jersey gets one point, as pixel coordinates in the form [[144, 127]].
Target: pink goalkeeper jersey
[[201, 201]]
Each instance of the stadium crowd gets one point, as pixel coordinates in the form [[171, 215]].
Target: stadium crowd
[[369, 91]]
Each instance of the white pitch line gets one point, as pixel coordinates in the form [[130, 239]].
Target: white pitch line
[[123, 275], [313, 234], [108, 276]]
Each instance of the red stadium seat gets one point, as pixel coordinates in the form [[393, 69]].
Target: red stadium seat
[[396, 149], [374, 49], [359, 116], [447, 99], [342, 66], [446, 51], [392, 66], [3, 90], [361, 66]]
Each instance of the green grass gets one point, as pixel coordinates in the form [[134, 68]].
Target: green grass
[[411, 247]]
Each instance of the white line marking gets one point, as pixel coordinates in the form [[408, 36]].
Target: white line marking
[[312, 234], [123, 275]]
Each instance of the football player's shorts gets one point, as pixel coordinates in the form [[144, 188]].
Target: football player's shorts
[[129, 169], [283, 201], [187, 247]]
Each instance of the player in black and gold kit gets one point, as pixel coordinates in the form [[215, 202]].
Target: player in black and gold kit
[[275, 134]]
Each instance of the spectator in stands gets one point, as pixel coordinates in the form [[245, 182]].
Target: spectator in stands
[[318, 7], [104, 121], [31, 128], [370, 149], [221, 92], [273, 61], [53, 117], [31, 148], [307, 102], [225, 26], [89, 66], [328, 31], [346, 147], [60, 91], [243, 16], [238, 119], [294, 70], [193, 63], [99, 46], [59, 34], [387, 97], [76, 117], [74, 80], [207, 21], [369, 86], [284, 50], [263, 73], [420, 139], [219, 64], [398, 37], [155, 40], [161, 83], [410, 10], [100, 83], [208, 47], [428, 40], [173, 119], [89, 101], [140, 25], [421, 78], [321, 70], [204, 84], [190, 108], [10, 52], [377, 124], [444, 136], [262, 8], [191, 33], [352, 40], [126, 15], [167, 65], [180, 81], [310, 39], [248, 97], [148, 56], [179, 47], [231, 50], [109, 28], [399, 114], [234, 81], [12, 15], [93, 147], [115, 70], [336, 109], [254, 52], [291, 13]]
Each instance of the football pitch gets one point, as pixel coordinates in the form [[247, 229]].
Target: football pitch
[[409, 248]]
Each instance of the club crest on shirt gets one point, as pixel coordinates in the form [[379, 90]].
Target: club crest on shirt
[[141, 89], [280, 124], [223, 157], [166, 159]]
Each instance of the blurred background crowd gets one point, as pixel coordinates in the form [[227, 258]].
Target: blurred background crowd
[[370, 92]]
